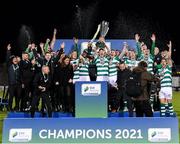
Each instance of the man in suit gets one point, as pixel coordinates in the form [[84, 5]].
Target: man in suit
[[42, 85]]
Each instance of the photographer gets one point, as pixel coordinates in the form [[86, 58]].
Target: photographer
[[142, 102]]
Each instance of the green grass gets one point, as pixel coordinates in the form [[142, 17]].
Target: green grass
[[176, 103], [2, 116]]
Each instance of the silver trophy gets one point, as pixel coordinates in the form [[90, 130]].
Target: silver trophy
[[104, 28]]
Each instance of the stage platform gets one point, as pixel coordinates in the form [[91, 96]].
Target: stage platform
[[61, 114]]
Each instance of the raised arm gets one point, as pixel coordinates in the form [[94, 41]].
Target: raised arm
[[42, 48], [153, 38], [8, 55], [123, 52], [28, 48], [46, 46], [61, 51], [76, 47], [37, 57], [170, 49], [138, 45], [53, 39], [169, 54]]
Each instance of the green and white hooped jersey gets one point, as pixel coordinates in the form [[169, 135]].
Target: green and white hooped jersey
[[149, 62], [131, 63], [165, 76], [76, 72], [84, 68], [125, 58], [102, 65], [113, 66], [150, 66]]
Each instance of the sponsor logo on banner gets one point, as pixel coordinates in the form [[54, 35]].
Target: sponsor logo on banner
[[20, 135], [91, 89], [159, 134]]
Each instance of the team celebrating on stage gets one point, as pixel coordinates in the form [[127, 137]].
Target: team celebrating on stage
[[43, 79]]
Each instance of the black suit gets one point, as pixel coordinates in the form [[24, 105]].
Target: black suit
[[51, 64], [43, 81], [62, 75], [122, 76], [27, 77], [14, 82]]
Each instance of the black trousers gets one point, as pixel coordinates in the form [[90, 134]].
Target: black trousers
[[53, 98], [14, 91], [113, 100], [143, 108], [66, 98], [25, 99], [123, 97], [58, 97], [45, 99]]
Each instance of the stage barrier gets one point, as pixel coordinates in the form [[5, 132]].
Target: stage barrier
[[91, 130]]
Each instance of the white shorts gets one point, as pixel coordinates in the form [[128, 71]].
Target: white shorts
[[75, 80], [84, 78], [112, 80], [165, 93], [102, 78]]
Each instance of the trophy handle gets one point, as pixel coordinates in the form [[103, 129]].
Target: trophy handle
[[95, 35]]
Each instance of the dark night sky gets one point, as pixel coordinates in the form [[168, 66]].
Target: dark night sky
[[126, 19]]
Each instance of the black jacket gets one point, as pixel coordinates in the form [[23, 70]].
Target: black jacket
[[122, 77], [51, 63], [146, 78], [63, 74], [26, 71], [14, 75], [42, 80]]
